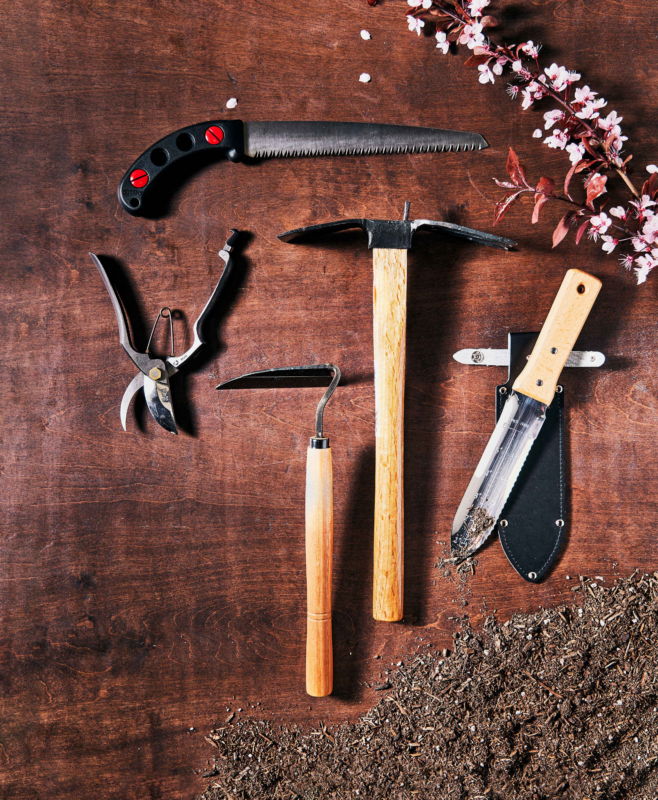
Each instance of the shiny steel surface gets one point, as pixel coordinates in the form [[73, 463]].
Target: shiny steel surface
[[500, 358], [517, 428]]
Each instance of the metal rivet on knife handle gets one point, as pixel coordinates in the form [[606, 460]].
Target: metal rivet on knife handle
[[564, 322], [389, 241]]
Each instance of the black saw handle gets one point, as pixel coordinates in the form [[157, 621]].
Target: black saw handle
[[214, 139]]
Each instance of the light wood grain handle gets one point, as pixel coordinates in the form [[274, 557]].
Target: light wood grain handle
[[557, 338], [319, 547], [390, 323]]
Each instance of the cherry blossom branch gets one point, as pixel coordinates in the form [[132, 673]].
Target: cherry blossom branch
[[594, 144]]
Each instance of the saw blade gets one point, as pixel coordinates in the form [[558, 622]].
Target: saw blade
[[515, 432], [158, 400], [278, 139], [134, 386]]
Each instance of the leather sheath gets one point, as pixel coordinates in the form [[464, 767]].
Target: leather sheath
[[532, 523]]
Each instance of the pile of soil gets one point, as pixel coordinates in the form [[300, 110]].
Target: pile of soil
[[560, 703]]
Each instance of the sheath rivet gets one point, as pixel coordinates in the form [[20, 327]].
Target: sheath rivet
[[155, 374], [540, 382], [532, 576], [503, 390], [554, 350], [559, 523], [559, 389], [477, 356], [502, 523]]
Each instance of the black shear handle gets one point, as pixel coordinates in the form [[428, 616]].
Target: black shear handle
[[143, 361], [199, 339]]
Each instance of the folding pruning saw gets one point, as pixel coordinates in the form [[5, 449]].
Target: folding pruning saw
[[154, 373], [243, 141]]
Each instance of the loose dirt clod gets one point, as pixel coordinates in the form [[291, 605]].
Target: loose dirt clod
[[557, 704]]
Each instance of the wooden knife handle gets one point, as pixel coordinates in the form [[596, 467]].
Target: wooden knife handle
[[390, 323], [557, 338], [319, 546]]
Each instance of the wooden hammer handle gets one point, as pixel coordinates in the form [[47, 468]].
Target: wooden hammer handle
[[319, 546], [390, 322]]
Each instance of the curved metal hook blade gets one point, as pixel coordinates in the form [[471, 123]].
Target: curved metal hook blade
[[134, 386]]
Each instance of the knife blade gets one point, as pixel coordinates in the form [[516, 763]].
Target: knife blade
[[235, 140], [523, 415]]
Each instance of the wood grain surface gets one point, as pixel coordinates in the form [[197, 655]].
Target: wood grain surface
[[153, 585]]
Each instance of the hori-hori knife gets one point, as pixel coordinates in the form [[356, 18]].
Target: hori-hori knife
[[389, 241], [524, 413], [237, 141], [154, 373]]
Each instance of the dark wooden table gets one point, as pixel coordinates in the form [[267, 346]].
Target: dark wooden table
[[149, 583]]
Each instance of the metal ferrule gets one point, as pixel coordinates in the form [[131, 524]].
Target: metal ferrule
[[317, 443]]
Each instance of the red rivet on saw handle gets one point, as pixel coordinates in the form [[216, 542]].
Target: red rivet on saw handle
[[214, 134], [139, 178]]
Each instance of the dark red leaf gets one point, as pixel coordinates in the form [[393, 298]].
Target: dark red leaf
[[567, 180], [503, 205], [516, 170], [588, 147], [585, 165], [581, 231], [504, 184], [651, 186], [545, 185], [488, 22], [372, 2], [595, 188], [475, 61], [462, 13], [563, 227]]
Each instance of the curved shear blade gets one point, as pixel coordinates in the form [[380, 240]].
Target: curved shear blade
[[134, 386], [158, 400]]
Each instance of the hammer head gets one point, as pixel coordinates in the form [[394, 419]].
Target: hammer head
[[395, 234]]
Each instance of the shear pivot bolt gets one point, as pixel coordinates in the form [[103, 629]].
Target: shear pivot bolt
[[155, 373], [214, 134]]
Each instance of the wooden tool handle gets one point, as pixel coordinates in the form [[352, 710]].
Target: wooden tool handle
[[390, 323], [564, 322], [319, 546]]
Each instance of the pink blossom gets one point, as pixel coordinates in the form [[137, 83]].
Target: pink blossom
[[609, 243], [600, 224], [591, 109], [486, 74], [533, 91], [513, 91], [559, 139], [650, 229], [472, 36], [647, 263], [476, 6], [530, 49], [619, 212], [551, 117], [561, 77], [627, 261], [651, 168], [610, 122], [584, 94], [415, 24], [442, 42], [537, 133], [417, 3], [642, 205], [639, 244], [576, 152], [498, 66], [517, 66]]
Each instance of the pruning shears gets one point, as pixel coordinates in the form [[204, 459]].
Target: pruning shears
[[154, 373]]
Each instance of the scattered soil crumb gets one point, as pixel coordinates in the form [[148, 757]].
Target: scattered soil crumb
[[556, 704]]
